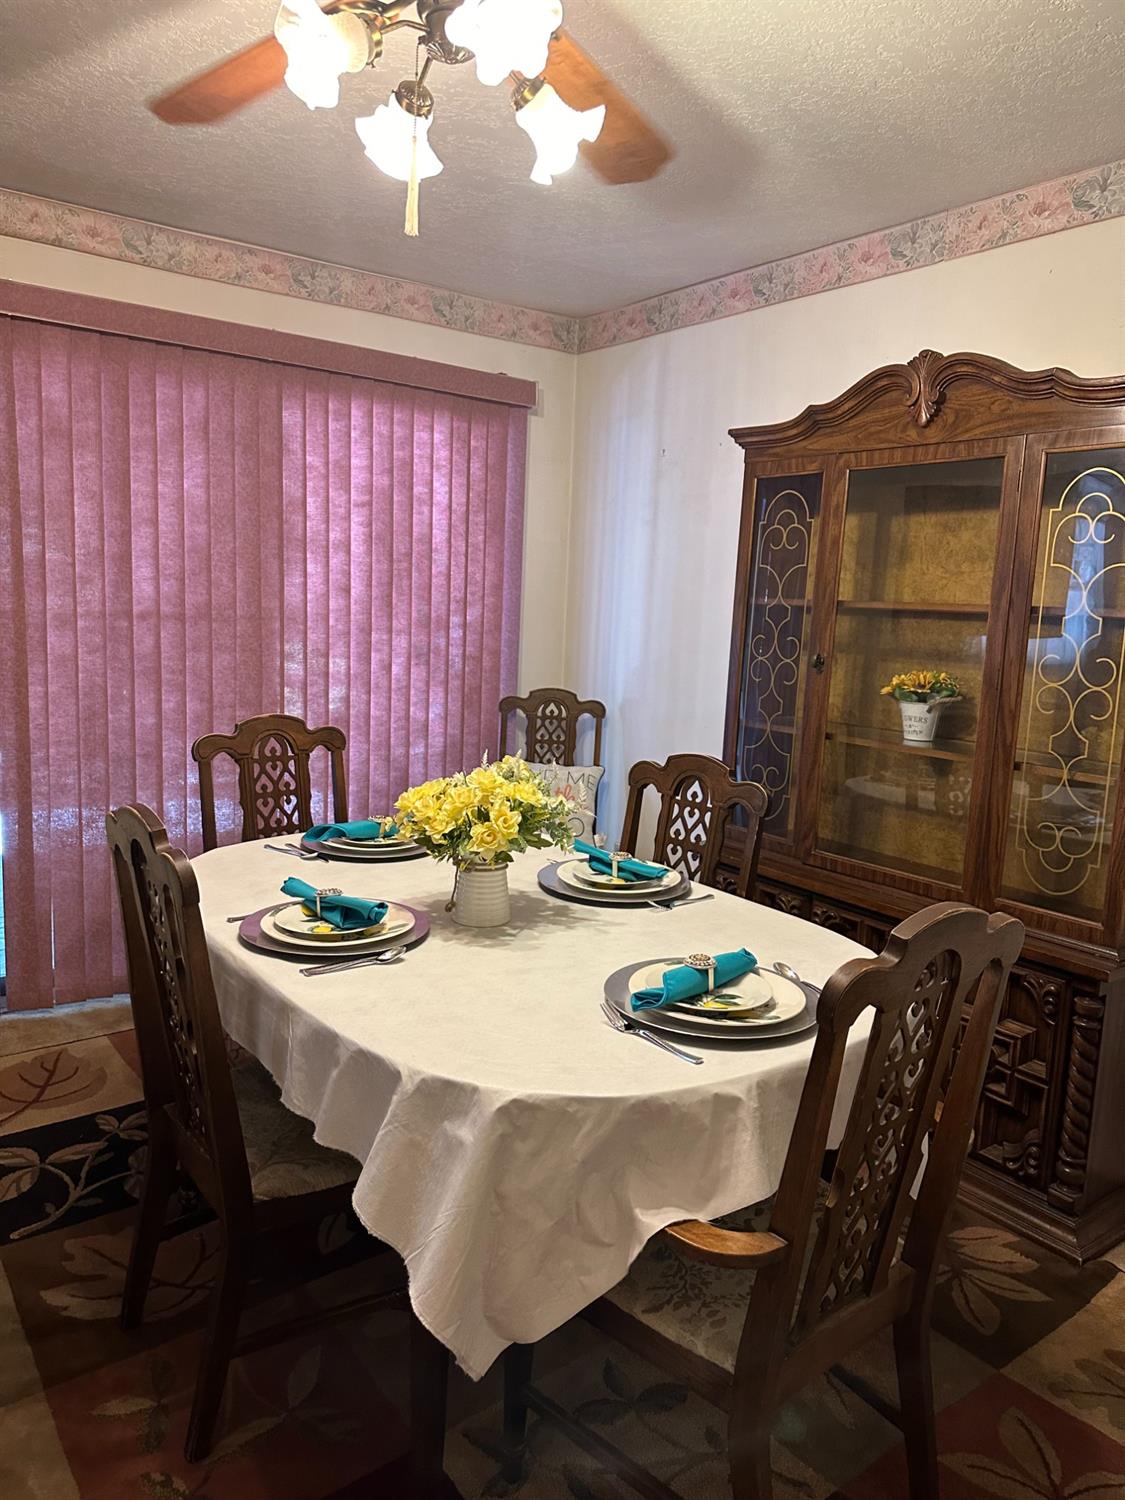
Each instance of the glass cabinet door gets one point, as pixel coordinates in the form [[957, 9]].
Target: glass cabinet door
[[1072, 711], [771, 681], [917, 554]]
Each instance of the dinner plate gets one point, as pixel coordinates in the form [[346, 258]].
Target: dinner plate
[[255, 932], [371, 851], [291, 924], [577, 874], [760, 1001], [621, 983], [549, 881], [580, 871]]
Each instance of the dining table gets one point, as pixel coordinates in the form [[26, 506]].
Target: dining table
[[514, 1148]]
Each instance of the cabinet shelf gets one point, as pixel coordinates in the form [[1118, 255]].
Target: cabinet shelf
[[884, 606], [888, 739]]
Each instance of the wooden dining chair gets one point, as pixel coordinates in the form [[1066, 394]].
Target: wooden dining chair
[[812, 1274], [698, 796], [253, 1161], [272, 754], [551, 718]]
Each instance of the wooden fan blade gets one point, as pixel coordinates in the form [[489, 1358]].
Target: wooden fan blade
[[236, 81], [629, 149]]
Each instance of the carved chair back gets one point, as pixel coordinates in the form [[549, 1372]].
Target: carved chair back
[[698, 794], [551, 718], [932, 999], [184, 1065], [272, 753]]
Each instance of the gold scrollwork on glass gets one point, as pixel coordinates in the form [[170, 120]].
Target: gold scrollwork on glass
[[1062, 802], [773, 646]]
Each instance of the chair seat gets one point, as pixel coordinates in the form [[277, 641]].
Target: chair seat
[[697, 1306], [284, 1159]]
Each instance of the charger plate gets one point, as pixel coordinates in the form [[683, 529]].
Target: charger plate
[[252, 933], [621, 983], [549, 881]]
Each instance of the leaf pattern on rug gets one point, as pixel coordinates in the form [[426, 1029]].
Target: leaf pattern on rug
[[1098, 1384], [982, 1268], [553, 1463], [1036, 1471], [182, 1275], [47, 1080], [72, 1168]]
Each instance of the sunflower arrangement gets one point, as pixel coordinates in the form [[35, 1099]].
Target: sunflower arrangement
[[921, 687], [486, 815]]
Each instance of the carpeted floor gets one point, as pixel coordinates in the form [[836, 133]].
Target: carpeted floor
[[1030, 1353]]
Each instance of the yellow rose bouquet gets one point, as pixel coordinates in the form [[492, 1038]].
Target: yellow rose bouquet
[[484, 816]]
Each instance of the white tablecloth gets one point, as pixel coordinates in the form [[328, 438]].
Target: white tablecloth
[[515, 1150]]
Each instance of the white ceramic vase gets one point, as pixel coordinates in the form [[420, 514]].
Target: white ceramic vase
[[920, 720], [480, 896]]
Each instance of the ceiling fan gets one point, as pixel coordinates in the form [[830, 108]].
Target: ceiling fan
[[561, 98]]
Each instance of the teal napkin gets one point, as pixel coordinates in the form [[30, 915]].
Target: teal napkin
[[365, 828], [683, 982], [628, 869], [344, 912]]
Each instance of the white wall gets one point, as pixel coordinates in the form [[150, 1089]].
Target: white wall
[[634, 486], [550, 430], [657, 481]]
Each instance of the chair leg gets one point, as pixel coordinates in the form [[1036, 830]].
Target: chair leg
[[518, 1359], [429, 1379], [751, 1476], [160, 1173], [916, 1398], [227, 1297]]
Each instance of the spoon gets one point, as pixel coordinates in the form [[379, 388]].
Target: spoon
[[787, 971]]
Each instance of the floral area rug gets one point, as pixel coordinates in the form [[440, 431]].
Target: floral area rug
[[1029, 1357]]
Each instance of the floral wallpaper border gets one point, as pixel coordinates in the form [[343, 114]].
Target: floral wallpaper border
[[70, 227], [1065, 203]]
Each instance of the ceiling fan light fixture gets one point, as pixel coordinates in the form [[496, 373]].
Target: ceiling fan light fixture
[[321, 48], [506, 36], [392, 135], [554, 128]]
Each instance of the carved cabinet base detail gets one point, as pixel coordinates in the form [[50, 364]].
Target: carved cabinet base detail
[[1035, 1164]]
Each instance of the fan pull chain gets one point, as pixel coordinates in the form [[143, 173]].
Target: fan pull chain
[[410, 225]]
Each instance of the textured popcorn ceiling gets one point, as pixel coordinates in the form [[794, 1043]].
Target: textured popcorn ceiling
[[797, 123]]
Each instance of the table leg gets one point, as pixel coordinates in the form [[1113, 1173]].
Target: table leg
[[429, 1378]]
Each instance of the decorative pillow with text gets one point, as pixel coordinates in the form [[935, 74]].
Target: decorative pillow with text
[[579, 785]]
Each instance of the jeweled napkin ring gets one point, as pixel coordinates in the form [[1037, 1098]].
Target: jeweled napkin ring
[[615, 859], [706, 964], [329, 890], [383, 822]]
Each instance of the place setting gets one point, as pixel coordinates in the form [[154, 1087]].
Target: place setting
[[364, 840], [597, 877], [340, 931], [727, 998]]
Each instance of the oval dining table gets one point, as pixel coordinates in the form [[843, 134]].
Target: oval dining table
[[515, 1149]]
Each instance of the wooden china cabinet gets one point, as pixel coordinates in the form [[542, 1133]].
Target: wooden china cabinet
[[957, 513]]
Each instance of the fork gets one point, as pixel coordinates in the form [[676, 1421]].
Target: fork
[[630, 1028], [292, 849], [681, 901], [387, 956]]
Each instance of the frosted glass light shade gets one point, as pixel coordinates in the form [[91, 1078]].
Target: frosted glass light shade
[[555, 130], [320, 48], [506, 35], [388, 136]]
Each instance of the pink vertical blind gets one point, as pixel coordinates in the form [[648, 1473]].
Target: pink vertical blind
[[187, 538]]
